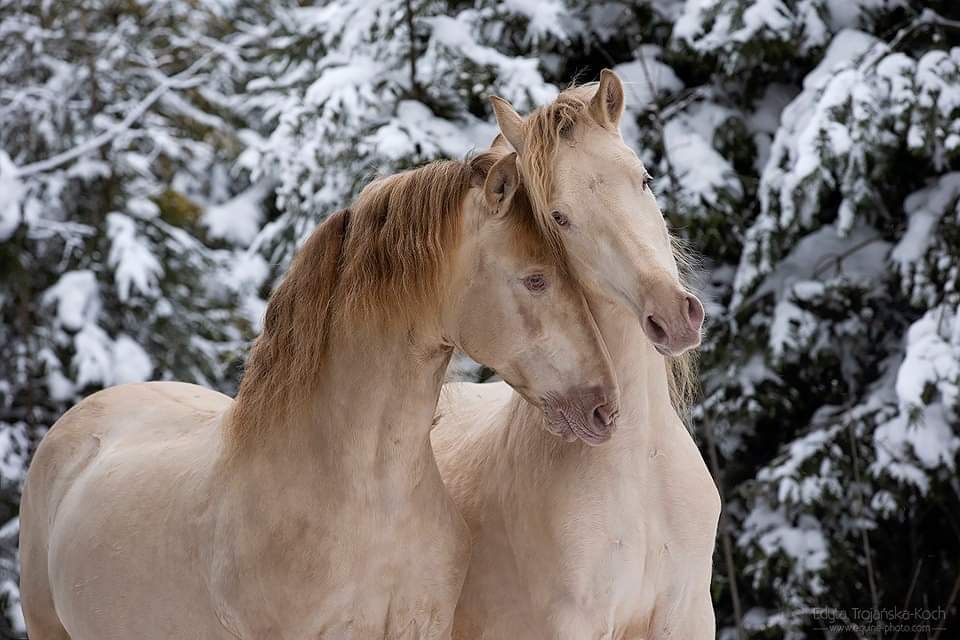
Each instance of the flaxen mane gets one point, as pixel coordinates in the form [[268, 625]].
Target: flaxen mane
[[380, 263]]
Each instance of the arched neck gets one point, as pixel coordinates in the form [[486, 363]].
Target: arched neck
[[368, 401]]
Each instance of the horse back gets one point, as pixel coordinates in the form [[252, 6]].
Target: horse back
[[93, 464]]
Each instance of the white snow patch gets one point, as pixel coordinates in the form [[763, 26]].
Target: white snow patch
[[14, 447], [130, 362], [93, 357], [143, 208], [417, 131], [646, 77], [135, 266], [11, 191], [825, 254], [77, 298], [925, 208], [803, 542], [239, 219], [546, 17], [705, 175]]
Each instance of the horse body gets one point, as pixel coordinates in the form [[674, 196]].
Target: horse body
[[311, 505], [572, 541], [256, 549]]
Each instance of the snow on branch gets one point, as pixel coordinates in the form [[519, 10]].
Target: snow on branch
[[186, 79]]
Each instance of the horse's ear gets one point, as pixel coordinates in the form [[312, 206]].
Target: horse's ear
[[509, 121], [499, 142], [501, 183], [606, 107]]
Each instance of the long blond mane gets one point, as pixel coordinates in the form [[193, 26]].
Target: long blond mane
[[381, 263]]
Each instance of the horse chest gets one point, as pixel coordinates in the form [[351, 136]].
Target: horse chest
[[639, 549], [348, 577]]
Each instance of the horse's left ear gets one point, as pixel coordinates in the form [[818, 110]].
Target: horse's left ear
[[607, 103], [509, 121], [501, 183]]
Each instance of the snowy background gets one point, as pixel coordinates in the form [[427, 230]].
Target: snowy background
[[159, 162]]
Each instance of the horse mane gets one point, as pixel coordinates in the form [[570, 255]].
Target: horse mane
[[379, 264]]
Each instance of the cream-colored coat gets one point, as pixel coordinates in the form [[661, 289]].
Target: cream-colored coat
[[579, 542], [572, 541], [143, 517]]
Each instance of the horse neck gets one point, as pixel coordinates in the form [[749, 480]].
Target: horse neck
[[641, 374], [370, 406]]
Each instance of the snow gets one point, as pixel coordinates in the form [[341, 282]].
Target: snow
[[130, 362], [858, 256], [239, 219], [924, 209], [14, 451], [546, 17], [802, 542], [520, 79], [844, 50], [344, 87], [920, 437], [10, 593], [646, 78], [93, 357], [11, 191], [850, 13], [143, 208], [76, 297], [136, 269], [705, 174], [932, 358], [733, 23], [59, 386], [793, 486], [417, 131], [791, 328]]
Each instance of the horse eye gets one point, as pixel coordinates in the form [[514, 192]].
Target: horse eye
[[535, 283], [560, 219]]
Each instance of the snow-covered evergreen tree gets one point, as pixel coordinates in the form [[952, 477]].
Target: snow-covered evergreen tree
[[160, 161], [119, 132]]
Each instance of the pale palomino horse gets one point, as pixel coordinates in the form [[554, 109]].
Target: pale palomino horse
[[311, 506], [571, 540]]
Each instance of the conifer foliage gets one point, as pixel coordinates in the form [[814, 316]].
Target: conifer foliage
[[160, 161]]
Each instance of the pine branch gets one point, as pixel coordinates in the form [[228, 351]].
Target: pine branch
[[184, 80]]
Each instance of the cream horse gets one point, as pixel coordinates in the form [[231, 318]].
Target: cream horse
[[311, 506], [573, 541]]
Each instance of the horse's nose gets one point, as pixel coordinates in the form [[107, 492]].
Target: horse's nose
[[674, 328], [695, 314], [600, 413]]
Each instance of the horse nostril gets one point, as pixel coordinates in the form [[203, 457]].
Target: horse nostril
[[655, 331], [604, 415], [694, 312]]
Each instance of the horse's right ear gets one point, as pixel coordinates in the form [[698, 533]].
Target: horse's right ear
[[501, 183], [509, 121]]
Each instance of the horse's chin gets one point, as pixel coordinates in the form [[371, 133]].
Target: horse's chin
[[573, 430]]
